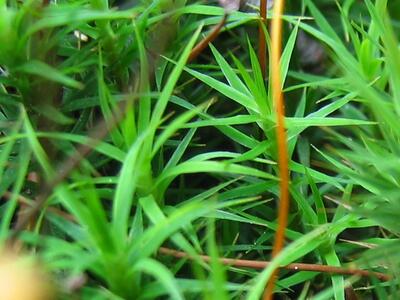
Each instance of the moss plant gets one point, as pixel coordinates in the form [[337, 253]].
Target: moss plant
[[146, 151]]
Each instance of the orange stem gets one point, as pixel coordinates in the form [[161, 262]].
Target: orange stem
[[256, 264], [276, 50], [262, 44], [208, 39]]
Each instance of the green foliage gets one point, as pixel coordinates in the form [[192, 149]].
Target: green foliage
[[188, 155]]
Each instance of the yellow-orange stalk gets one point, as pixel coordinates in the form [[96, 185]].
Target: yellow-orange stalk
[[262, 44], [276, 49]]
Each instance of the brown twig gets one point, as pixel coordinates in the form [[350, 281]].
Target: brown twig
[[64, 170], [257, 264], [262, 44], [27, 203], [283, 211], [208, 39]]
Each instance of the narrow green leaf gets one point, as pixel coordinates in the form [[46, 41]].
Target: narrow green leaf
[[161, 273], [35, 67]]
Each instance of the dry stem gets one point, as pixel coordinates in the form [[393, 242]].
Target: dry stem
[[257, 264]]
